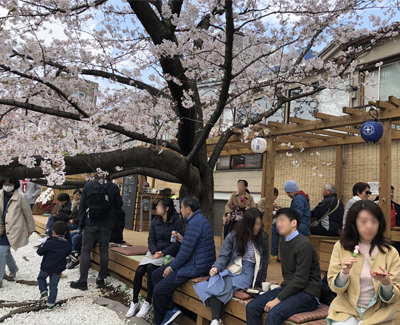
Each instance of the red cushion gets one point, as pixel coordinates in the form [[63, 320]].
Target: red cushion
[[319, 313], [131, 251], [242, 295]]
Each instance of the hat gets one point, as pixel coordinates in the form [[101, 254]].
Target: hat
[[290, 186]]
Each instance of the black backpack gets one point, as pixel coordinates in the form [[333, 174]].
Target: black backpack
[[98, 202]]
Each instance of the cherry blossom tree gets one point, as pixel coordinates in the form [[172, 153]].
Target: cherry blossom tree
[[150, 59]]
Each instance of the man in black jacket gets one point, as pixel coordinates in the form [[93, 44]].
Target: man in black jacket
[[98, 227], [329, 213]]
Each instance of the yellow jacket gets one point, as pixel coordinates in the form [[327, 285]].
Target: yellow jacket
[[345, 304]]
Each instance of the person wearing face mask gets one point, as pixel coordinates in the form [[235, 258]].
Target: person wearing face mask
[[16, 224], [361, 191]]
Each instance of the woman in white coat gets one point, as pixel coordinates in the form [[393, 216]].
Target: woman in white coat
[[16, 223]]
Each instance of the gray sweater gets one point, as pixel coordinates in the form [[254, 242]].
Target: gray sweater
[[32, 191], [300, 268]]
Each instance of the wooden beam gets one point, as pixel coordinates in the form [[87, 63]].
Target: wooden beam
[[352, 111], [394, 101], [323, 116], [339, 171], [312, 126], [384, 105], [385, 172], [268, 190], [324, 132]]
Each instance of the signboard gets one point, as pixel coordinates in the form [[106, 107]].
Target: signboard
[[374, 187], [129, 190]]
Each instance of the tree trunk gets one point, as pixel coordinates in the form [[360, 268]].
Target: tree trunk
[[205, 192]]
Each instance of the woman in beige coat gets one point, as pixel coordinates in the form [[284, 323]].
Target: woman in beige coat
[[16, 223], [364, 270]]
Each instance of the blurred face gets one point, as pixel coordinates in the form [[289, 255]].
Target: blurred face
[[241, 188], [365, 194], [8, 184], [325, 192], [284, 225], [291, 194], [367, 225], [257, 226], [63, 202], [186, 212], [275, 197], [160, 209], [77, 196], [392, 195]]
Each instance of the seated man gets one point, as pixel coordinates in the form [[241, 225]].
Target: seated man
[[329, 213], [195, 258], [301, 286]]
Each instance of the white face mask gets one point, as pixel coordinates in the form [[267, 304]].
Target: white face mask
[[8, 188]]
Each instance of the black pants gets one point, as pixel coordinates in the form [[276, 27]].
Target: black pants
[[90, 234], [163, 291], [217, 307], [321, 231], [137, 281]]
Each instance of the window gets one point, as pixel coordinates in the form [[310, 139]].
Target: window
[[224, 163], [240, 162], [389, 81], [303, 107], [78, 94], [332, 101]]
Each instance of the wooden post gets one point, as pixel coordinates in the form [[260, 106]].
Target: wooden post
[[385, 172], [268, 177], [339, 171]]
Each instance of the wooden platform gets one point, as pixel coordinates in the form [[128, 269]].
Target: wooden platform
[[123, 268]]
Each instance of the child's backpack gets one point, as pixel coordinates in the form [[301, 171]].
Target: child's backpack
[[98, 202]]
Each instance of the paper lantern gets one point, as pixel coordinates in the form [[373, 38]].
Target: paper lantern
[[258, 145], [371, 131]]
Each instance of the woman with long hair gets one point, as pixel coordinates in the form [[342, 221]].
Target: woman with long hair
[[364, 270], [242, 263], [160, 245], [238, 203]]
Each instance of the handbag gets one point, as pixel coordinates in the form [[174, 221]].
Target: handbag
[[317, 222]]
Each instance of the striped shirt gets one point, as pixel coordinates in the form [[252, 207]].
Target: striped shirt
[[249, 255]]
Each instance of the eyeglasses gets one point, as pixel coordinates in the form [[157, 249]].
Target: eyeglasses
[[368, 192]]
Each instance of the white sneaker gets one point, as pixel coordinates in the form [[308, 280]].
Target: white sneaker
[[132, 309], [144, 310], [215, 322]]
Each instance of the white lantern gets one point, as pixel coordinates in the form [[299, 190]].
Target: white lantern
[[258, 145]]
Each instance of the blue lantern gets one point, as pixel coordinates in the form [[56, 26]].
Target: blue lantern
[[371, 131]]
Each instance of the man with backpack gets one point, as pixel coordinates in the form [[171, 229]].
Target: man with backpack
[[100, 198]]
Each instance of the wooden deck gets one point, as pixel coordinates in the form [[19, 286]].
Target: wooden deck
[[123, 268]]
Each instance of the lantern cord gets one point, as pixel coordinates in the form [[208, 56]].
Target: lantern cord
[[376, 113]]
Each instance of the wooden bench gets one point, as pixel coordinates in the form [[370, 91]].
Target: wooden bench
[[316, 241], [124, 267], [325, 252]]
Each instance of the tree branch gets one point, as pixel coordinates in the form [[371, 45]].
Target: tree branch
[[76, 117], [226, 81]]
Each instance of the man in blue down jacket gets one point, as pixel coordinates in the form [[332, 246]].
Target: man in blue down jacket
[[195, 258]]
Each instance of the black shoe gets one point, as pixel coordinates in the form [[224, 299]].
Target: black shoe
[[79, 285], [100, 283], [74, 256], [72, 265]]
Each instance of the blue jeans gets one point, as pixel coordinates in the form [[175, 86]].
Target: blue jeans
[[74, 239], [6, 259], [53, 285], [50, 223], [299, 303], [274, 241]]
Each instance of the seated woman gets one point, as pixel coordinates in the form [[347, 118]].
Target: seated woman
[[364, 270], [242, 263], [63, 213], [74, 218], [238, 203], [160, 245]]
